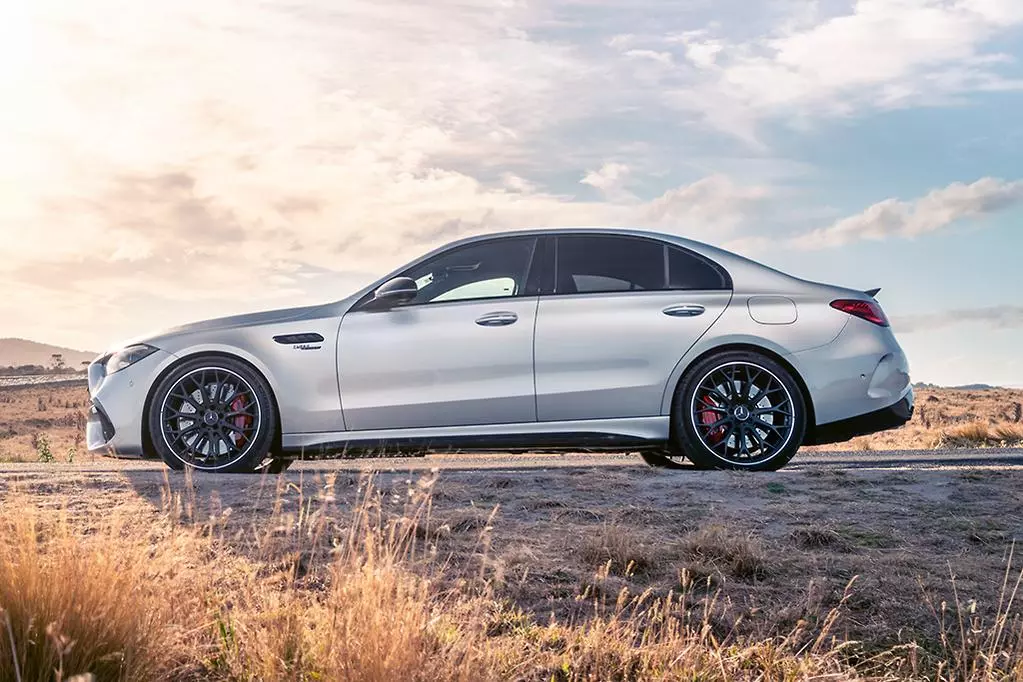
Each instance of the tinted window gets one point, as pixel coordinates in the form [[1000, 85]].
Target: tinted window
[[588, 264], [689, 271], [493, 269]]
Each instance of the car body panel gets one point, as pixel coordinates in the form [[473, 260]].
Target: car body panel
[[542, 435], [609, 355], [435, 365], [850, 367], [305, 373], [864, 370]]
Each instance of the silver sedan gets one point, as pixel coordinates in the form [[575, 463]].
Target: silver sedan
[[567, 339]]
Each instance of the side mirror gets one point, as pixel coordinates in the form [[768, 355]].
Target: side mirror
[[395, 292]]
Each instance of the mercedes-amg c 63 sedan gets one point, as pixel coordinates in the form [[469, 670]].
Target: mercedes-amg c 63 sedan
[[574, 339]]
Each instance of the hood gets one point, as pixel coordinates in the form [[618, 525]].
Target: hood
[[234, 322]]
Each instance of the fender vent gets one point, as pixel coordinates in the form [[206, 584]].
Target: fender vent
[[292, 339]]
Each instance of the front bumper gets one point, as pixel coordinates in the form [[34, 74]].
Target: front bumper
[[886, 418], [115, 423], [99, 430]]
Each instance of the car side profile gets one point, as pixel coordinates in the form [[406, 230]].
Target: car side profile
[[542, 340]]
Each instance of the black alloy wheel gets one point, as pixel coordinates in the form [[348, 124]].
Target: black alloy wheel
[[737, 410], [214, 414]]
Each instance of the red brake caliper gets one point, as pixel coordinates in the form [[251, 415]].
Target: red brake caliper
[[242, 421], [708, 417]]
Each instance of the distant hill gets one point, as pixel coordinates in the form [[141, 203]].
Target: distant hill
[[17, 352], [964, 387]]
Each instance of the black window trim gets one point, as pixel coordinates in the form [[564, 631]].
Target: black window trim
[[363, 303], [666, 246]]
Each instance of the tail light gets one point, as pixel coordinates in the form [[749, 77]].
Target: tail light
[[865, 310]]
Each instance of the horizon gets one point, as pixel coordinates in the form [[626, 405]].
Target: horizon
[[193, 160]]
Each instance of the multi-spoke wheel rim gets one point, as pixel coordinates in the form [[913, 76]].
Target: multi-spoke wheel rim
[[743, 413], [210, 417]]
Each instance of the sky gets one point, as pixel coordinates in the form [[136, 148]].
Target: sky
[[168, 161]]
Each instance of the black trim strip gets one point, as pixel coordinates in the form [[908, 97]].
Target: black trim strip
[[525, 442], [291, 339], [880, 420]]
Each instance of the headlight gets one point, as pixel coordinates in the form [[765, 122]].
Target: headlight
[[126, 357]]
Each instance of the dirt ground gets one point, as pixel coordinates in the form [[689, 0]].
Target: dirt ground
[[774, 549]]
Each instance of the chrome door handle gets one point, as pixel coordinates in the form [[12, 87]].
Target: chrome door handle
[[499, 319], [684, 310]]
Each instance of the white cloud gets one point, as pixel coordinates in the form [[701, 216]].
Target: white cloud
[[998, 317], [664, 58], [610, 178], [934, 211], [875, 54], [712, 207]]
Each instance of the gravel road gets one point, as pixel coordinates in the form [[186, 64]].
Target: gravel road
[[42, 380], [987, 458]]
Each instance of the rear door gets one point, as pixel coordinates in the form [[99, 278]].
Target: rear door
[[618, 315]]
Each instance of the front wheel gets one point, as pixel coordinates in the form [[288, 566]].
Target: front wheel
[[739, 410], [213, 414]]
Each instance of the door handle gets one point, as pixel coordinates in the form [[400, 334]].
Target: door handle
[[684, 310], [498, 319]]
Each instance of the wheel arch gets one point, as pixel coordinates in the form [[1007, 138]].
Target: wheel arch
[[147, 440], [811, 419]]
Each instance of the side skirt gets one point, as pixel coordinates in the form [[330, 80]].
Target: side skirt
[[606, 435]]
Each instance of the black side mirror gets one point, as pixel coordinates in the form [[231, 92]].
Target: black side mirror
[[395, 292]]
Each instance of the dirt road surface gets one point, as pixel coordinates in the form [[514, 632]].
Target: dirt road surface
[[1007, 458]]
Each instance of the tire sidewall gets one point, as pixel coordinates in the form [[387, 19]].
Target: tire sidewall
[[684, 431], [258, 453]]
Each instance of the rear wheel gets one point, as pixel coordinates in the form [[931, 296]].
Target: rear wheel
[[214, 414], [739, 410]]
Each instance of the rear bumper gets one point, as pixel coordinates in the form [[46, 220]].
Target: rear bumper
[[886, 418]]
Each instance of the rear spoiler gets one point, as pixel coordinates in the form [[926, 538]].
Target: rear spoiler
[[872, 292]]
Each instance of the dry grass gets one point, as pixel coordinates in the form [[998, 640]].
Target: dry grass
[[76, 600], [34, 420], [619, 548], [978, 435], [321, 589], [945, 418], [738, 555]]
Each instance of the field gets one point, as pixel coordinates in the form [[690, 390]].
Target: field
[[570, 573], [944, 418]]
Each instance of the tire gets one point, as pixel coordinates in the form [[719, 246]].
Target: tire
[[213, 414], [739, 410]]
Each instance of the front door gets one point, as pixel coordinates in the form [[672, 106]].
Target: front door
[[622, 313], [461, 353]]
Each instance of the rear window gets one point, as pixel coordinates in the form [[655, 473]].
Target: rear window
[[688, 271]]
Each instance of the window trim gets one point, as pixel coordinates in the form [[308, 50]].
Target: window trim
[[665, 245]]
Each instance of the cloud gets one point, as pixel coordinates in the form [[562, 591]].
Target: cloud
[[876, 54], [713, 206], [196, 157], [934, 211], [999, 317], [610, 178]]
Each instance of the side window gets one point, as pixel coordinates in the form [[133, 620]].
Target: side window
[[689, 271], [493, 269], [591, 264]]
